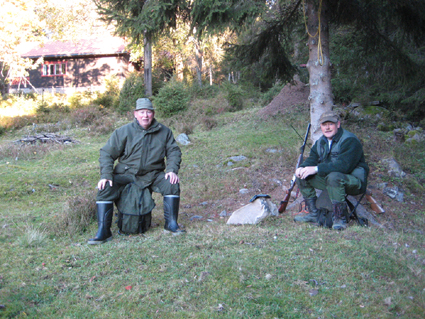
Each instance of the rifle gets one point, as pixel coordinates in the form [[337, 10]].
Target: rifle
[[373, 203], [285, 200]]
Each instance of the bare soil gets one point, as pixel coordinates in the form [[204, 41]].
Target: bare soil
[[294, 93]]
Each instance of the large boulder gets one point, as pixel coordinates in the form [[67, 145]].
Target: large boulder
[[254, 212]]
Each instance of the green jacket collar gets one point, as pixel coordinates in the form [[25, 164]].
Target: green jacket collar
[[155, 126]]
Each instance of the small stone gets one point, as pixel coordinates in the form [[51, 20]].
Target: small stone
[[244, 191], [313, 292]]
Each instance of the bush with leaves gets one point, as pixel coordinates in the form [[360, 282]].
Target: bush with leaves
[[234, 96], [171, 99], [132, 89], [80, 99], [109, 98]]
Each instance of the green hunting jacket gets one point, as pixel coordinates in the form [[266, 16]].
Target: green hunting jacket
[[140, 153], [345, 156]]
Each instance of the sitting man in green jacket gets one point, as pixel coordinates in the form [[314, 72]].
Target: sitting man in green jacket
[[140, 149], [337, 164]]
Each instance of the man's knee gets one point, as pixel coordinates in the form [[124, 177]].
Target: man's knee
[[173, 189], [166, 188], [335, 179], [110, 193]]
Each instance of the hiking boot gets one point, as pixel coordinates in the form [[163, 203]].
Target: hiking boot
[[311, 217], [339, 215]]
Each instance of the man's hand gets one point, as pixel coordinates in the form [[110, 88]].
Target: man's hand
[[304, 172], [174, 179], [102, 183]]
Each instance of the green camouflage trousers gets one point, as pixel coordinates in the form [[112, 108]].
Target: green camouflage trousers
[[337, 184]]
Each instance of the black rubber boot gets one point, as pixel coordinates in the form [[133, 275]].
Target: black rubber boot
[[311, 217], [171, 212], [339, 215], [105, 212]]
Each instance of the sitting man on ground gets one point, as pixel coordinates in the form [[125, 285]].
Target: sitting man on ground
[[140, 147], [337, 164]]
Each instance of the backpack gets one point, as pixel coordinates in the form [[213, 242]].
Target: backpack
[[133, 224], [324, 218]]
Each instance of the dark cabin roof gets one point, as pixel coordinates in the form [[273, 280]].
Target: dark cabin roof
[[82, 47]]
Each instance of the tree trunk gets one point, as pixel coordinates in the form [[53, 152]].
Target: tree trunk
[[179, 67], [318, 66], [211, 75], [199, 59], [148, 64]]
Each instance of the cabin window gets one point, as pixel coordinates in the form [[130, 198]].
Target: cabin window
[[54, 69]]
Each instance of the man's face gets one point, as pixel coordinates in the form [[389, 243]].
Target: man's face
[[144, 117], [329, 129]]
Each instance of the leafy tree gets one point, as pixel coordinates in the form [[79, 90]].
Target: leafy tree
[[19, 24], [142, 22]]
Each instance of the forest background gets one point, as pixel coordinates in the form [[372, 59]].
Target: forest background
[[216, 68]]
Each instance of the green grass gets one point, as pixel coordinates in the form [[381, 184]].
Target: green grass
[[277, 269]]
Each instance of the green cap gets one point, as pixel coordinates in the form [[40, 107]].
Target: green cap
[[144, 103]]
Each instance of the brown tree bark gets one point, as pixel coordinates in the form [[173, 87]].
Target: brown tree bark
[[199, 56], [321, 98], [148, 64]]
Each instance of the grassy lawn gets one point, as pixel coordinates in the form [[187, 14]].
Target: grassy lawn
[[276, 269]]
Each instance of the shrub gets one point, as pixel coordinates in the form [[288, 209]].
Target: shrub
[[171, 99], [78, 214], [85, 116], [103, 126], [132, 89], [203, 92], [17, 122], [109, 98], [80, 99], [209, 123], [234, 96]]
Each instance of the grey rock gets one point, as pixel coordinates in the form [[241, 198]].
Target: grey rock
[[394, 169], [238, 158], [244, 191], [223, 213], [394, 193], [195, 217], [271, 150], [381, 185], [254, 212], [183, 139]]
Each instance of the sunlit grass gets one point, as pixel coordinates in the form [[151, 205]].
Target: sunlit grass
[[276, 269]]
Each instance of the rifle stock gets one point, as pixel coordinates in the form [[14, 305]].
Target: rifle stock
[[285, 200], [374, 204]]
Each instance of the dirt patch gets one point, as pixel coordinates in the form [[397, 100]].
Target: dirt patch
[[294, 93]]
